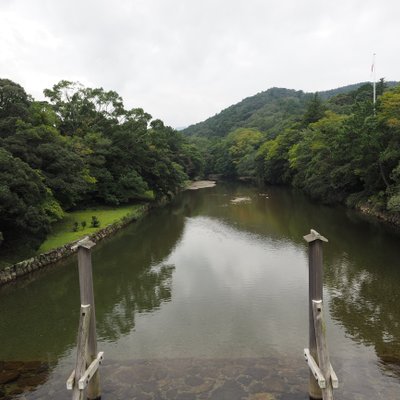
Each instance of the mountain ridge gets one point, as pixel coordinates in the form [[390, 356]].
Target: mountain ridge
[[268, 111]]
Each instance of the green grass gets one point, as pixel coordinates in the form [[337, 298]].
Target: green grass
[[63, 230]]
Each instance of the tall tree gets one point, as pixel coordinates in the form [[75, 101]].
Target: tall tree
[[27, 206], [14, 104]]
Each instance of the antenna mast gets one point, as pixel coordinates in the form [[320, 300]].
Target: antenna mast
[[373, 70]]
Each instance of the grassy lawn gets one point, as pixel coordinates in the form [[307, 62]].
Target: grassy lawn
[[63, 230]]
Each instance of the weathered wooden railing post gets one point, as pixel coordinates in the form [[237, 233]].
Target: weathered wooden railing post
[[322, 377], [86, 374]]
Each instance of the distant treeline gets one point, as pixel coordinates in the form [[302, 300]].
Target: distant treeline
[[81, 147], [336, 145]]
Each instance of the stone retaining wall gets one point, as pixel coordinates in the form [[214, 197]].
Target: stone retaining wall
[[393, 219], [25, 267]]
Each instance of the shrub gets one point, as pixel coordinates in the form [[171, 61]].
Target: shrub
[[95, 222]]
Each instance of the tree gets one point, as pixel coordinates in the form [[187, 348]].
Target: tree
[[273, 157], [14, 104], [322, 160], [83, 109], [43, 148], [27, 206], [315, 110], [242, 145]]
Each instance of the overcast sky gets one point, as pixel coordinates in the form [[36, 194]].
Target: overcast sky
[[183, 60]]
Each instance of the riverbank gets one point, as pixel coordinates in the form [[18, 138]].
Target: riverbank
[[22, 268], [78, 224], [60, 244], [381, 215]]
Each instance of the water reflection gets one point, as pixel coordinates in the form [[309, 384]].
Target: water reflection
[[129, 277], [210, 278], [366, 303], [362, 270]]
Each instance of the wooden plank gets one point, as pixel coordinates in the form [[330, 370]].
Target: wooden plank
[[91, 369], [87, 297], [83, 333], [315, 369], [71, 380], [334, 378], [322, 348]]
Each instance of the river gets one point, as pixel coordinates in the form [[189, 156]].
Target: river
[[207, 299]]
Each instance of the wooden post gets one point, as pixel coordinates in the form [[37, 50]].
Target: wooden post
[[87, 297], [315, 273], [322, 349], [80, 366]]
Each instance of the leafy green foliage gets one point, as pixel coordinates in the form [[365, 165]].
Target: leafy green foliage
[[27, 206], [43, 148], [83, 147], [94, 222], [14, 104], [264, 111]]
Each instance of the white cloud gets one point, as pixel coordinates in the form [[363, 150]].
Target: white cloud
[[183, 61]]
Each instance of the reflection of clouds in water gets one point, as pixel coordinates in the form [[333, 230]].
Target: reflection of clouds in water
[[228, 288]]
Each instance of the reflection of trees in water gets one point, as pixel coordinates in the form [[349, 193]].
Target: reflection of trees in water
[[144, 294], [361, 259], [131, 275], [39, 320], [366, 304]]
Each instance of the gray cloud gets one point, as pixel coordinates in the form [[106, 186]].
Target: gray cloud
[[183, 61]]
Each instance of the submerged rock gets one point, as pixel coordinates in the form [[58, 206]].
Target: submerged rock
[[8, 376], [17, 377]]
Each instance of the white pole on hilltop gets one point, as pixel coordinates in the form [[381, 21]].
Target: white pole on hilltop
[[373, 70]]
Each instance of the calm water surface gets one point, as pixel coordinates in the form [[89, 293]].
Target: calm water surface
[[207, 298]]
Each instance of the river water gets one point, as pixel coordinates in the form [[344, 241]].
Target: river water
[[207, 299]]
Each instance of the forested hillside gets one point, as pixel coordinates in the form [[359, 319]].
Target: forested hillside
[[336, 145], [265, 110], [80, 147], [268, 111]]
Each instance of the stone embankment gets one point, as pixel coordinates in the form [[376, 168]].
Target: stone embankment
[[393, 219], [13, 272]]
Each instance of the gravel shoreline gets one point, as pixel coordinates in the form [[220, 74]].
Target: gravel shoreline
[[201, 185]]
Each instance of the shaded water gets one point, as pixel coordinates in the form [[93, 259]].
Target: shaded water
[[207, 298]]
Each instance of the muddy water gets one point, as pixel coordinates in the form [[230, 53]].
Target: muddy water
[[207, 299]]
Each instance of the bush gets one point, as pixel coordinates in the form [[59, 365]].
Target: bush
[[394, 203], [83, 224], [95, 222], [75, 227]]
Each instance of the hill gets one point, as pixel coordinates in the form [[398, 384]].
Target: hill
[[269, 111]]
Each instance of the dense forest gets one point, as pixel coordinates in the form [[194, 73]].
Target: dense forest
[[80, 147], [335, 145]]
